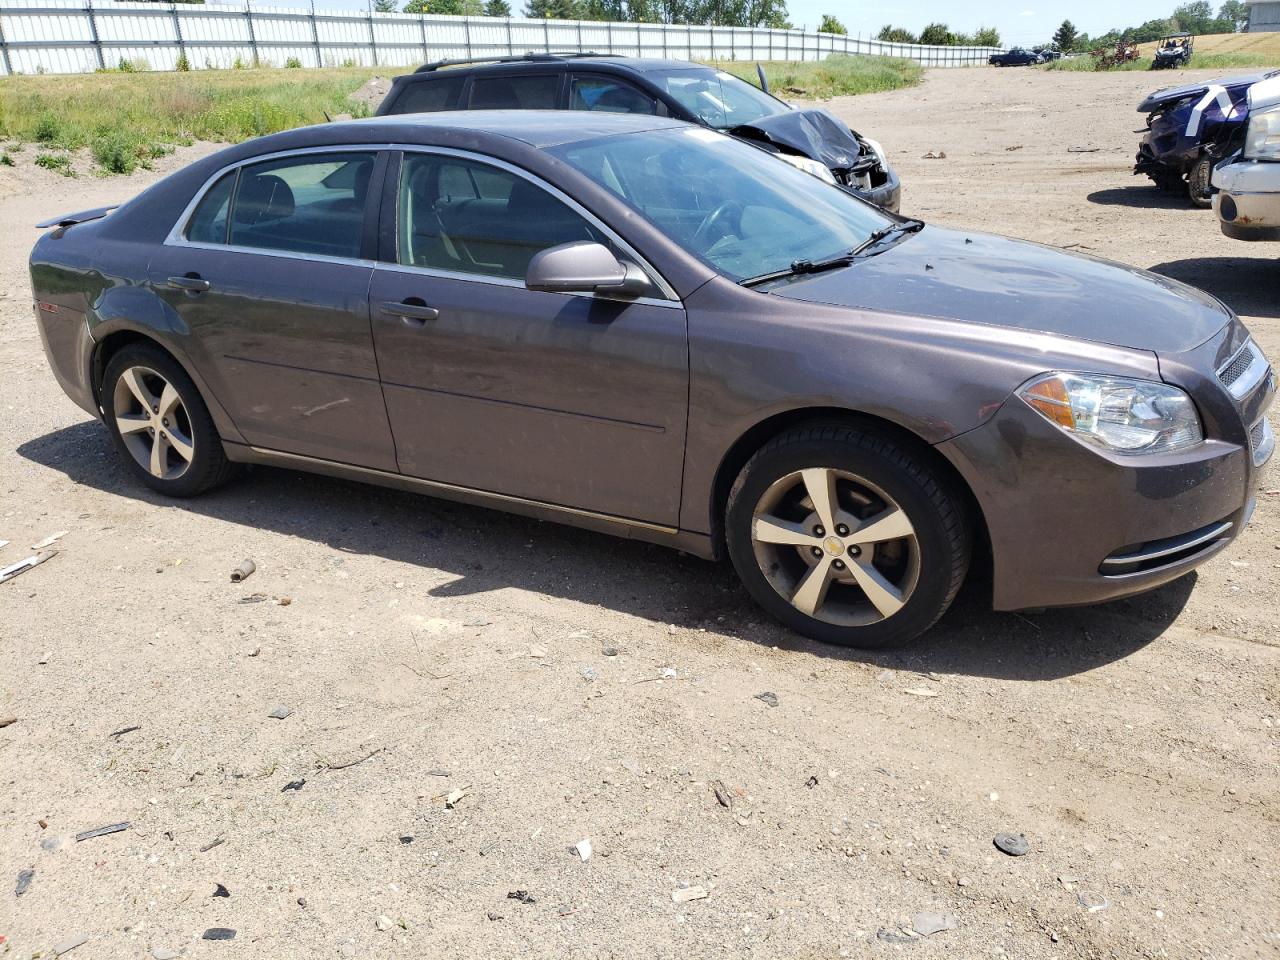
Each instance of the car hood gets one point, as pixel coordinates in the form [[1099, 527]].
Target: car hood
[[1232, 85], [1264, 93], [992, 280], [815, 134]]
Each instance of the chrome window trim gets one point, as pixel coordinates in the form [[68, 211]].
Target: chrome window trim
[[490, 280], [1252, 375], [668, 293], [177, 234]]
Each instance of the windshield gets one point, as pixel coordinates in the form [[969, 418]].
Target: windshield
[[740, 210], [718, 99]]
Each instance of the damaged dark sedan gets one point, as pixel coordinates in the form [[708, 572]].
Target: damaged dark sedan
[[645, 328], [811, 139]]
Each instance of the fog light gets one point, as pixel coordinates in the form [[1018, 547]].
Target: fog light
[[1227, 208]]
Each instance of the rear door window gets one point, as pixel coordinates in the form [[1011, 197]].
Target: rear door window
[[516, 92], [428, 96], [312, 203], [607, 95]]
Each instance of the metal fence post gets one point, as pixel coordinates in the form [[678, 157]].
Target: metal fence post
[[608, 32], [373, 40], [177, 33], [4, 52], [546, 35], [510, 47], [93, 34], [422, 28], [466, 34], [253, 39], [315, 35]]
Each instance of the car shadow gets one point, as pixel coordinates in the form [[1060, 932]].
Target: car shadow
[[1145, 196], [489, 551], [1248, 285]]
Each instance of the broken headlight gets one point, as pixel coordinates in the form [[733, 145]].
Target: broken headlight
[[1128, 417], [1262, 141], [812, 167]]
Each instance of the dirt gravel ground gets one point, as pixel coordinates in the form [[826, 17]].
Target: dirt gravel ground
[[569, 686]]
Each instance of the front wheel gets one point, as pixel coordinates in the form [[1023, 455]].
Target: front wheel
[[1199, 185], [847, 536]]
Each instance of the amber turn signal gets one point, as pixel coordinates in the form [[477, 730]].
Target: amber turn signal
[[1049, 396]]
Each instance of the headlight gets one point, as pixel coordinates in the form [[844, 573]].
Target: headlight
[[1262, 142], [877, 150], [1129, 417], [813, 167]]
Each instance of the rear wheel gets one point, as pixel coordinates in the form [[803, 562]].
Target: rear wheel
[[1199, 187], [159, 423], [847, 536]]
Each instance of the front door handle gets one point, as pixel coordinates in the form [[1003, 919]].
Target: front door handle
[[189, 284], [411, 311]]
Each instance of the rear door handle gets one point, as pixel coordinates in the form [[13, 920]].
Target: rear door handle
[[189, 284], [411, 311]]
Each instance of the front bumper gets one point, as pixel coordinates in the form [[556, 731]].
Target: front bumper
[[1071, 525], [1247, 203], [888, 195]]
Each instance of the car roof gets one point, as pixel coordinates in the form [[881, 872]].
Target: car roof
[[537, 128], [599, 62]]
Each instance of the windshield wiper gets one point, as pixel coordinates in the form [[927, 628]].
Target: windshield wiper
[[799, 268], [803, 267], [909, 225]]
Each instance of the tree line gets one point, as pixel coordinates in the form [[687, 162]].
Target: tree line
[[941, 35], [726, 13], [1196, 17]]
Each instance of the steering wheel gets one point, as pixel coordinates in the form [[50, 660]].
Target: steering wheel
[[713, 220]]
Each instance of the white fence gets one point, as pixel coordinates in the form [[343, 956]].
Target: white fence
[[77, 36]]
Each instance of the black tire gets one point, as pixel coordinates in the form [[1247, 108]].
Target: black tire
[[208, 466], [1199, 185], [941, 528]]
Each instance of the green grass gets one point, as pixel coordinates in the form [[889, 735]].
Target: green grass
[[56, 161], [1203, 61], [837, 76], [1090, 65], [128, 118], [1232, 61]]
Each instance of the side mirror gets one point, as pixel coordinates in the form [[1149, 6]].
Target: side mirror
[[585, 267]]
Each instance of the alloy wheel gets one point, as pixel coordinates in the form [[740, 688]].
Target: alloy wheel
[[153, 423], [836, 547]]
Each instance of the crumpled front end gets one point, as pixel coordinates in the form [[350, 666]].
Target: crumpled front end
[[855, 162], [1183, 122]]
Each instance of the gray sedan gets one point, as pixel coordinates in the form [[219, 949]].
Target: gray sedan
[[648, 329]]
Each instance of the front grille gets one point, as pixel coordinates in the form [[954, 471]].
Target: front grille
[[1237, 367]]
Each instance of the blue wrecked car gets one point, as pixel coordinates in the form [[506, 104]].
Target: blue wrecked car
[[1192, 127]]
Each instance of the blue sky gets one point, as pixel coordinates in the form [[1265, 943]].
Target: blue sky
[[1019, 21]]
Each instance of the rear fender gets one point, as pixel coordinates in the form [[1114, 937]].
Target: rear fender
[[128, 313]]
